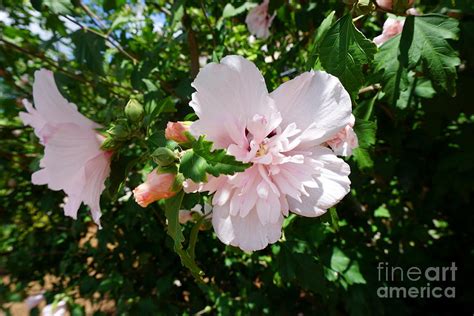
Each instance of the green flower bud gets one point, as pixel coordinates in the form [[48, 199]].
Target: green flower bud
[[134, 110], [119, 131], [164, 156]]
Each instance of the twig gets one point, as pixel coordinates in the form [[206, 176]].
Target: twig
[[64, 71], [373, 87], [108, 37], [208, 22], [193, 45]]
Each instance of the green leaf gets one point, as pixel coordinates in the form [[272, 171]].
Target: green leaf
[[366, 134], [174, 230], [343, 52], [334, 218], [429, 44], [55, 6], [422, 42], [202, 159], [301, 268], [339, 260], [218, 160], [353, 275], [193, 166], [394, 75], [366, 131], [321, 32], [230, 10], [362, 158], [382, 211], [346, 267], [89, 50], [120, 20]]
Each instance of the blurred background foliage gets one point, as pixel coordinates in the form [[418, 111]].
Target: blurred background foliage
[[411, 199]]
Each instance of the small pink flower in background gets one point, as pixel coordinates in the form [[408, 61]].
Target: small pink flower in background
[[59, 309], [156, 187], [176, 131], [345, 140], [259, 21], [283, 134], [387, 5], [391, 28], [412, 11], [73, 160]]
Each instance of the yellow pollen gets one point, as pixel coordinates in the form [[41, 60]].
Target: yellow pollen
[[262, 150]]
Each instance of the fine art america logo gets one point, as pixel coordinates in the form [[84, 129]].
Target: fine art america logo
[[431, 282]]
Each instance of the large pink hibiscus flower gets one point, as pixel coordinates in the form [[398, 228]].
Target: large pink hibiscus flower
[[283, 134]]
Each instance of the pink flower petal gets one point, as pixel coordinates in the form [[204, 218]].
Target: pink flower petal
[[317, 103], [333, 184], [73, 160], [247, 232], [232, 91]]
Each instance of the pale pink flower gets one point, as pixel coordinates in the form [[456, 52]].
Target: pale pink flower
[[73, 160], [387, 5], [176, 131], [58, 309], [345, 140], [156, 187], [283, 135], [412, 11], [33, 300], [259, 21], [391, 28]]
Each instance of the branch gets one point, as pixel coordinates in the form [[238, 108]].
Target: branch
[[52, 64], [208, 22], [192, 44], [108, 36], [370, 88]]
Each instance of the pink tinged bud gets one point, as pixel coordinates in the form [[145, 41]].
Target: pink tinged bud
[[413, 11], [387, 5], [156, 187], [176, 131]]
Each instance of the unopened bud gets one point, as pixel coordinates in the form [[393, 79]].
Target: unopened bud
[[156, 187], [134, 110], [119, 131], [178, 131], [164, 156], [396, 6]]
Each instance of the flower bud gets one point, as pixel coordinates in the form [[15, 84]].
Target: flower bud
[[119, 131], [156, 187], [134, 110], [164, 156], [397, 6], [176, 131]]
